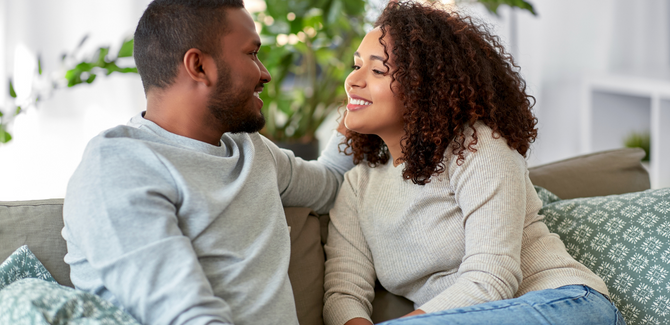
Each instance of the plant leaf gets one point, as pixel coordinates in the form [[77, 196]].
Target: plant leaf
[[102, 54], [91, 78], [12, 93], [492, 5], [4, 135], [126, 49], [128, 70]]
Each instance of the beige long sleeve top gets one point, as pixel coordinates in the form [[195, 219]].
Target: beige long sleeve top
[[471, 235]]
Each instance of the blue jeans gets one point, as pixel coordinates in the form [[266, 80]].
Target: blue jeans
[[573, 304]]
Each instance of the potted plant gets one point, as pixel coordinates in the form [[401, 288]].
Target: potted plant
[[307, 47]]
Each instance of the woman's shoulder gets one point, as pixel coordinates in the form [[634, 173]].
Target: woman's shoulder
[[362, 174], [488, 146], [486, 138]]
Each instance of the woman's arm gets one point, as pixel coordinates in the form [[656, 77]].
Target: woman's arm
[[490, 188], [358, 321], [350, 274]]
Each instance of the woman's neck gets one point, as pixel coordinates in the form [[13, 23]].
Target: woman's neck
[[393, 144]]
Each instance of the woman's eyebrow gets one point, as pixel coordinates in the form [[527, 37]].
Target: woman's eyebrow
[[372, 57]]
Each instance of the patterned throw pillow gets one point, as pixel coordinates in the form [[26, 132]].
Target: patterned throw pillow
[[22, 264], [34, 301], [625, 239], [30, 295]]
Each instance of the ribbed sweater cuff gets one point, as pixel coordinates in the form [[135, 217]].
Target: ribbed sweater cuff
[[342, 310], [435, 304]]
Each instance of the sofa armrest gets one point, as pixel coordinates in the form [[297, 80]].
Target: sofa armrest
[[598, 174]]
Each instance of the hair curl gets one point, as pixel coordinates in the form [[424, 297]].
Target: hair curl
[[450, 73]]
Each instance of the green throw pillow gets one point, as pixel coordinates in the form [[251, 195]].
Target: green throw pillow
[[625, 239], [22, 264]]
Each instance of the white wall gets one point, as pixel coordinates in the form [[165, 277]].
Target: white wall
[[570, 40], [48, 141]]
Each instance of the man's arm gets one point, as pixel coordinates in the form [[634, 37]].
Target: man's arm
[[120, 213], [314, 183]]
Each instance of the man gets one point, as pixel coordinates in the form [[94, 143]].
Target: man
[[177, 216]]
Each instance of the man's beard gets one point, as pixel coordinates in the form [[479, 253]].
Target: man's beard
[[230, 107]]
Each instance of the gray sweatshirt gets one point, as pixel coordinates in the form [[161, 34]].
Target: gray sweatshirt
[[178, 231]]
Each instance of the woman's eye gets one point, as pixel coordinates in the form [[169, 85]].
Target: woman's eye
[[378, 72], [355, 67]]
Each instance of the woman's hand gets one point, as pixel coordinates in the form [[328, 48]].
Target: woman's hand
[[414, 313], [358, 321]]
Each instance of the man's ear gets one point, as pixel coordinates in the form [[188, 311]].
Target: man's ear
[[200, 66]]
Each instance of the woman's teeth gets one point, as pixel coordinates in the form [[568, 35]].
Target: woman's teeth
[[359, 102]]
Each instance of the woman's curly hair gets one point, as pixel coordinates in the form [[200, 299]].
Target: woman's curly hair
[[450, 73]]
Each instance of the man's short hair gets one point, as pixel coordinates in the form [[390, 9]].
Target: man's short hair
[[169, 28]]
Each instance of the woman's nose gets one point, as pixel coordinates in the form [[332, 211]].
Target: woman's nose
[[354, 80]]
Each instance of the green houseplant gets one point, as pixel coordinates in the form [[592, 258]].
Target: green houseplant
[[307, 47]]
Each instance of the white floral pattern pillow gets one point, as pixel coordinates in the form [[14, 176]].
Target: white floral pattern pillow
[[33, 301], [625, 239], [30, 295], [22, 264]]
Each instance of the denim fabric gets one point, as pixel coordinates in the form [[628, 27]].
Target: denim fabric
[[574, 304]]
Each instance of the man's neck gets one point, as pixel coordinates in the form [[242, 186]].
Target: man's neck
[[182, 113]]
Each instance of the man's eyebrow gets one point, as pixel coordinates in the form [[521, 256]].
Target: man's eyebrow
[[372, 57]]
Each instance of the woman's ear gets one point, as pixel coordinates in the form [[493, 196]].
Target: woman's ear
[[200, 66]]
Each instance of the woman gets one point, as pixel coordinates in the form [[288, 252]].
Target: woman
[[440, 208]]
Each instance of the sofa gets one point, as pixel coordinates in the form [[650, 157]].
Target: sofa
[[606, 175]]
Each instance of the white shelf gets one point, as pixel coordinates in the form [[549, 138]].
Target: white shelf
[[613, 106]]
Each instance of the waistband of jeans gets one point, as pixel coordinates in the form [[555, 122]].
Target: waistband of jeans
[[589, 289]]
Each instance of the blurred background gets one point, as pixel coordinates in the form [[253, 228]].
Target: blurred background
[[599, 70]]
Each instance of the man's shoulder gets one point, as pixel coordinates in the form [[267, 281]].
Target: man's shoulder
[[124, 135], [120, 145]]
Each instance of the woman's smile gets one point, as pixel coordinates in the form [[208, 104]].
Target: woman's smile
[[356, 103]]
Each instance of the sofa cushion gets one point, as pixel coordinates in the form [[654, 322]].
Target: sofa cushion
[[36, 224], [20, 265], [625, 239], [306, 268], [602, 173]]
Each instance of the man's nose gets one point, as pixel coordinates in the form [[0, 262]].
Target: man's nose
[[265, 74]]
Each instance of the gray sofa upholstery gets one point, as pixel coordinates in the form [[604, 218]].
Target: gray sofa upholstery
[[38, 225]]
